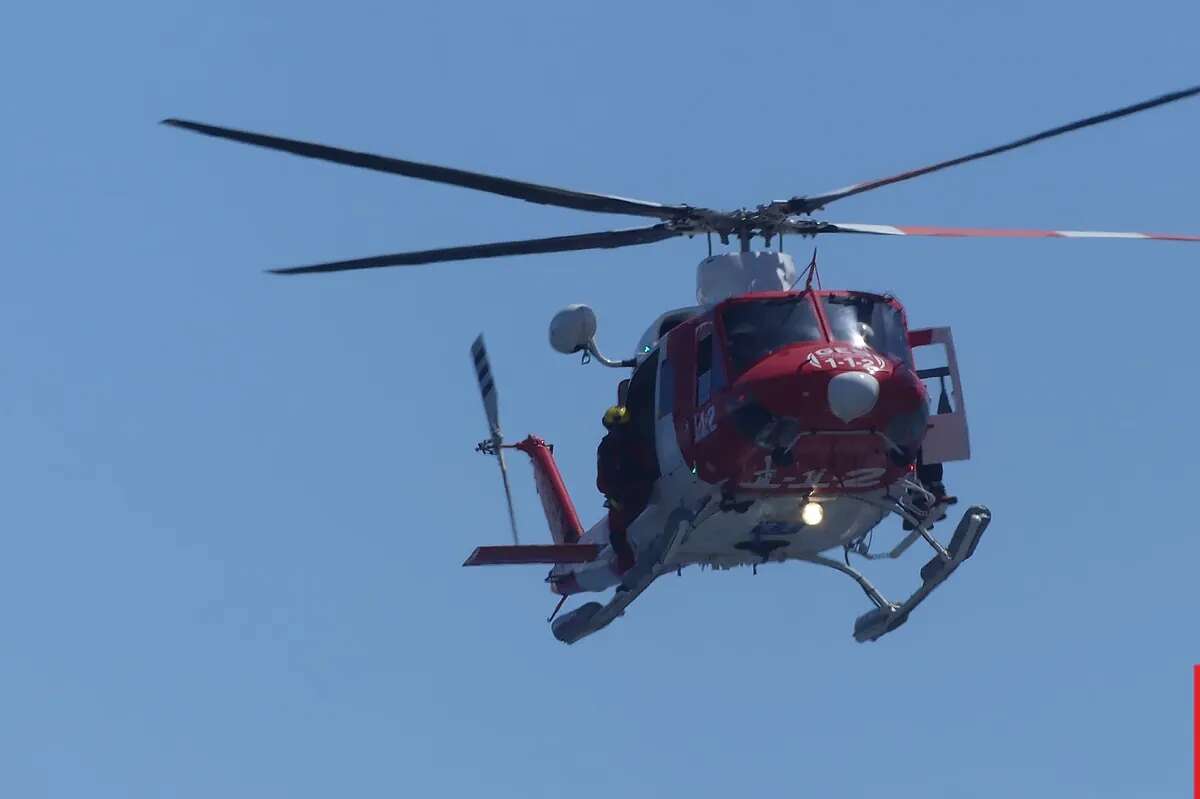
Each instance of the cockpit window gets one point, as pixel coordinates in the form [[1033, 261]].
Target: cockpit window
[[864, 320], [756, 328]]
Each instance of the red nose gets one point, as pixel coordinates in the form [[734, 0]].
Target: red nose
[[834, 387]]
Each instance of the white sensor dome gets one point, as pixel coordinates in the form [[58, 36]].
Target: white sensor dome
[[572, 329]]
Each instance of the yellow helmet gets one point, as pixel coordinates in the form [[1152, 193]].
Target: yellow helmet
[[616, 415]]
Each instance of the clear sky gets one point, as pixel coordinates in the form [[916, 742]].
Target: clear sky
[[235, 505]]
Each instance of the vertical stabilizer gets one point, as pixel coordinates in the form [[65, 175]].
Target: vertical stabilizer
[[565, 527]]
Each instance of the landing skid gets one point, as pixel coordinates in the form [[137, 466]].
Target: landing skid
[[593, 616], [886, 615]]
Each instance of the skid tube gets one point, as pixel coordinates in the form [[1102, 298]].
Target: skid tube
[[887, 616]]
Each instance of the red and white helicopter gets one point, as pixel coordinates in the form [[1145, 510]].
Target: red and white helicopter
[[785, 421]]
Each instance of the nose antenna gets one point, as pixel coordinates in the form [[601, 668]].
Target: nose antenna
[[811, 272], [808, 274]]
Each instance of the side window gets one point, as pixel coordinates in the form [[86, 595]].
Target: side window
[[704, 364], [640, 400], [717, 381], [666, 389]]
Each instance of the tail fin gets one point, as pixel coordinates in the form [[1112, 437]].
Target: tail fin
[[556, 502]]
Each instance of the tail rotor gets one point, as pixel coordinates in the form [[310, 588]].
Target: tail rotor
[[491, 407]]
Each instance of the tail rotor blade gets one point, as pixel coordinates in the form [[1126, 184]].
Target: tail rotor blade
[[512, 516], [491, 407], [487, 387]]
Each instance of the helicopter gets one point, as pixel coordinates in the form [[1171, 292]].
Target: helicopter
[[783, 421]]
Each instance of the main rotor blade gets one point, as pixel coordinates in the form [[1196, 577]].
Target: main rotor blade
[[583, 241], [979, 232], [804, 205], [530, 192]]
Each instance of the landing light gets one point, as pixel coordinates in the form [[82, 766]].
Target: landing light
[[812, 514]]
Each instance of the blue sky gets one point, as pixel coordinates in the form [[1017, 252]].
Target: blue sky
[[236, 505]]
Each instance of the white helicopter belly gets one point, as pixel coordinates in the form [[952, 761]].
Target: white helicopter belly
[[771, 530], [684, 526], [691, 529]]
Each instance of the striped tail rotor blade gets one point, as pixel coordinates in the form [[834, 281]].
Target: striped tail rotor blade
[[512, 516], [487, 387], [491, 406]]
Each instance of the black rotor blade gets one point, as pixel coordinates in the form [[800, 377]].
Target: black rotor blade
[[530, 192], [804, 205], [583, 241]]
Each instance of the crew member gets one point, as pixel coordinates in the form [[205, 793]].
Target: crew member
[[625, 474]]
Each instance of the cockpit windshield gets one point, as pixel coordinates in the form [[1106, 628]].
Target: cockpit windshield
[[866, 320], [755, 328]]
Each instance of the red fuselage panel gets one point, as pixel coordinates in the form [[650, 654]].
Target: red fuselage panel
[[827, 416]]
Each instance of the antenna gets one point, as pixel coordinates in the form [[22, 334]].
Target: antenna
[[495, 444]]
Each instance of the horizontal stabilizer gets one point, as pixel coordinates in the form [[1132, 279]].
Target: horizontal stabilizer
[[532, 553]]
